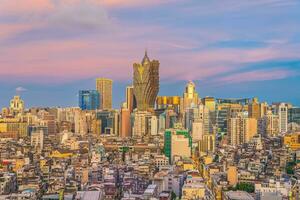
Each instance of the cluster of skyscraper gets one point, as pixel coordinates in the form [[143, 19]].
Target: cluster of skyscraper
[[157, 138], [144, 114]]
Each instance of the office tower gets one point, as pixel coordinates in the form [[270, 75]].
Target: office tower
[[232, 175], [241, 129], [226, 108], [146, 83], [104, 87], [177, 143], [281, 109], [210, 103], [104, 117], [130, 102], [16, 105], [110, 121], [125, 131], [190, 97], [294, 115], [141, 125], [269, 124], [254, 109], [207, 143], [89, 99]]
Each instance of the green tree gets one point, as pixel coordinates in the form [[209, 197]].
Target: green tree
[[173, 195], [248, 187]]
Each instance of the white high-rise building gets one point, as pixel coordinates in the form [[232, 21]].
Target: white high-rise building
[[282, 111], [141, 124], [154, 125]]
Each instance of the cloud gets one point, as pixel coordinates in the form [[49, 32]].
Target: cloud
[[69, 40], [47, 19], [240, 44], [215, 7], [25, 7], [21, 89], [7, 30], [78, 14], [134, 3], [258, 75]]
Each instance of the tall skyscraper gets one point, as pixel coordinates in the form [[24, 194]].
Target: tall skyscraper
[[281, 109], [241, 129], [125, 131], [104, 87], [89, 99], [146, 83], [130, 98], [190, 97]]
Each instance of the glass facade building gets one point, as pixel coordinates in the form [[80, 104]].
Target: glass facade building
[[107, 121], [294, 115], [89, 99]]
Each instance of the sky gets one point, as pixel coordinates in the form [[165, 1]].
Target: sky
[[50, 49]]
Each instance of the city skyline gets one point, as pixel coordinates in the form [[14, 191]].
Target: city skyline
[[149, 100], [228, 49]]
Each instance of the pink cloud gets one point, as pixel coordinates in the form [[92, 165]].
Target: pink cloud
[[133, 3], [113, 56], [257, 75], [8, 30], [13, 7], [112, 53], [64, 61], [201, 65]]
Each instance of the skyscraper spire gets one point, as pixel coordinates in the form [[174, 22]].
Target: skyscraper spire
[[146, 58]]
